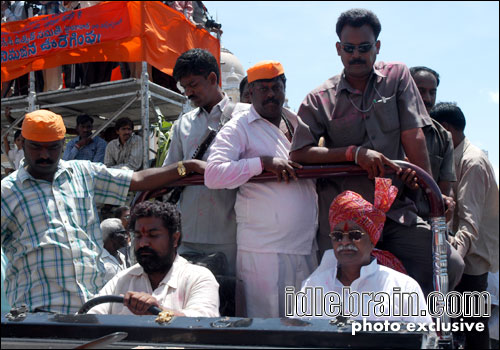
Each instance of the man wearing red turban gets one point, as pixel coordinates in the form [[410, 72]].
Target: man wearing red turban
[[356, 226]]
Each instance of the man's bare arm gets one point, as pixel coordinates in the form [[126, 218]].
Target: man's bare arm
[[415, 147], [154, 178]]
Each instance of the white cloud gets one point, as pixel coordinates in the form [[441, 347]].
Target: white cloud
[[494, 96]]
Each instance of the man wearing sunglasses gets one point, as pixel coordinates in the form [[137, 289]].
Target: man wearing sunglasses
[[369, 114], [356, 226]]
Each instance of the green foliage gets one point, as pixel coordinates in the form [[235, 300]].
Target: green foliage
[[164, 133]]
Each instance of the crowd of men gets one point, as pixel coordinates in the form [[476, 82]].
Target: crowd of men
[[367, 233]]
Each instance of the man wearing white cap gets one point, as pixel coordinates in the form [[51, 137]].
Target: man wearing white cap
[[276, 221]]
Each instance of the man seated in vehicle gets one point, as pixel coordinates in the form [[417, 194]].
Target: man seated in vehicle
[[161, 278], [356, 226]]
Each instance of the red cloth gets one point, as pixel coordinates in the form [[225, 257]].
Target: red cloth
[[371, 217]]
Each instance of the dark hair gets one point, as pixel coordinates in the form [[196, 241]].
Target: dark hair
[[243, 82], [123, 121], [118, 212], [415, 70], [17, 134], [196, 62], [168, 213], [84, 118], [358, 18], [279, 77], [449, 112]]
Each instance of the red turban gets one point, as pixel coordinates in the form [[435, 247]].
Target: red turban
[[371, 217]]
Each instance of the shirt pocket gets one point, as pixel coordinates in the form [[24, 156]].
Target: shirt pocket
[[82, 210], [387, 114]]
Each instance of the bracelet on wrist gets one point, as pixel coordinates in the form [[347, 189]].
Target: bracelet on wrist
[[356, 155], [349, 153]]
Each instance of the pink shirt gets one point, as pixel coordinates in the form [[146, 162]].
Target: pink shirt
[[271, 217]]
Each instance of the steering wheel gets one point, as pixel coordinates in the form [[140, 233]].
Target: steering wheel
[[155, 310]]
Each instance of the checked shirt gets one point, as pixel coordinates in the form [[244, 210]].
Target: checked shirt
[[51, 234]]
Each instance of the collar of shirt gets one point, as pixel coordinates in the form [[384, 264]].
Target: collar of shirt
[[170, 279], [219, 107], [344, 84], [329, 264], [62, 168], [129, 141]]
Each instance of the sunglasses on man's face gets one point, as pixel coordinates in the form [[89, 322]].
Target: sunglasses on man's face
[[363, 48], [354, 235]]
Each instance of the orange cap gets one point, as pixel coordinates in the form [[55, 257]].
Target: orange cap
[[43, 126], [265, 70]]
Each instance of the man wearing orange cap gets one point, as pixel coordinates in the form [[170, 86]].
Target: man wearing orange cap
[[356, 226], [50, 227], [276, 221]]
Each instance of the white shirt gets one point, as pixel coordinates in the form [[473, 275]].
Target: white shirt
[[113, 265], [188, 288], [207, 216], [16, 155], [271, 217], [373, 278]]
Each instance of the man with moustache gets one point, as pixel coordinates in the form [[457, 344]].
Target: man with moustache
[[356, 226], [50, 228], [161, 278], [276, 221], [208, 219], [439, 144], [125, 152], [84, 147], [369, 114]]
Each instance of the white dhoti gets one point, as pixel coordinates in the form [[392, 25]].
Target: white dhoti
[[265, 276]]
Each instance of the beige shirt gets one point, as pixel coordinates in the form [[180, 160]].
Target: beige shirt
[[127, 156], [188, 288], [208, 216], [475, 218]]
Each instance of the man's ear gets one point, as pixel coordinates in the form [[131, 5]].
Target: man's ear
[[176, 237], [212, 78]]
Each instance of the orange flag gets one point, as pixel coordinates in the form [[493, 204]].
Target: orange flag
[[117, 31]]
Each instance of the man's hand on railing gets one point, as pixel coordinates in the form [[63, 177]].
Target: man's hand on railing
[[449, 204], [373, 163], [284, 169], [195, 166]]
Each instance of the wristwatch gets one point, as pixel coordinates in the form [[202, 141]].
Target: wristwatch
[[181, 169]]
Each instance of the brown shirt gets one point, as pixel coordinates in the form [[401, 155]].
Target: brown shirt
[[475, 219], [373, 119], [440, 149]]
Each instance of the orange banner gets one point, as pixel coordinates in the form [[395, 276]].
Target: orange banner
[[116, 31]]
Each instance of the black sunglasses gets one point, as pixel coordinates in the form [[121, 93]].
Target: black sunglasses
[[363, 48], [354, 235]]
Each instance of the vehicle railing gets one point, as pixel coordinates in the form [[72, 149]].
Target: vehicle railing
[[426, 183]]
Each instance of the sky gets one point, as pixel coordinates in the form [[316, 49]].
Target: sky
[[457, 39]]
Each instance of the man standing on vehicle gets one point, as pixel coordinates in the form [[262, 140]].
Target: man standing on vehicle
[[475, 220], [369, 114], [208, 219], [50, 228], [277, 221], [439, 144]]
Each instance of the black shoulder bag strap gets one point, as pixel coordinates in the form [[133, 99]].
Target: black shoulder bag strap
[[174, 194]]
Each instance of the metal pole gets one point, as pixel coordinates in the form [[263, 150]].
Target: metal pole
[[145, 113]]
